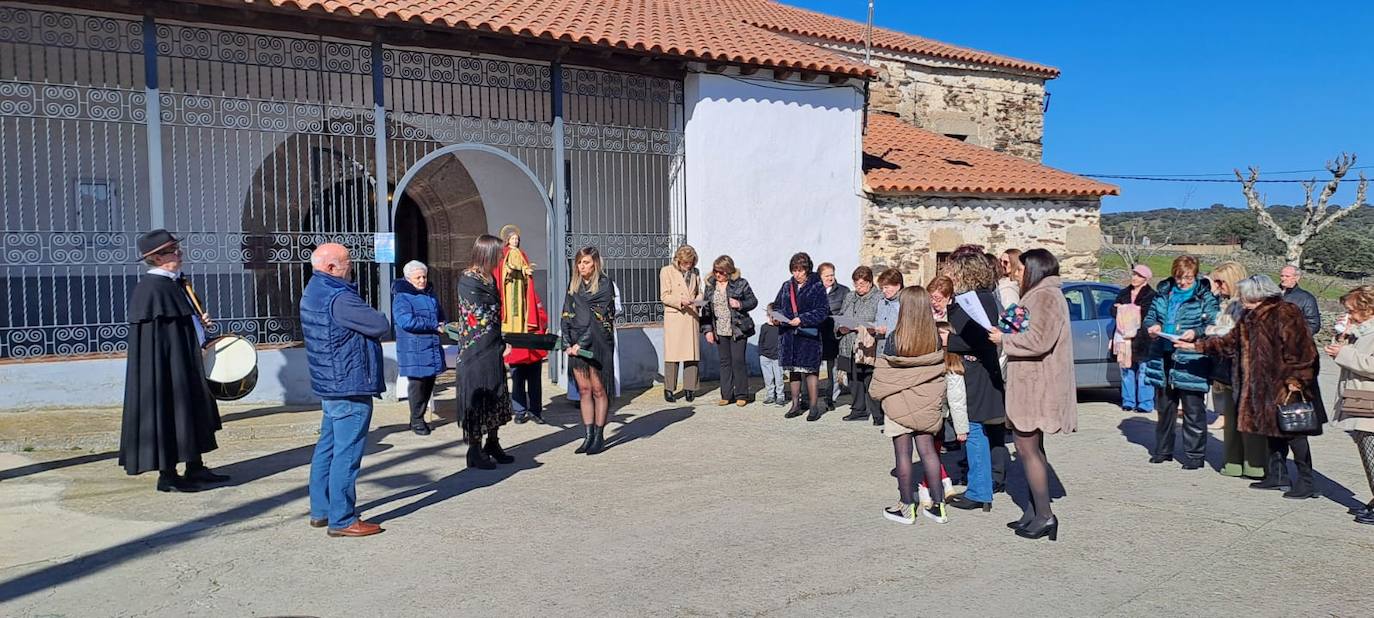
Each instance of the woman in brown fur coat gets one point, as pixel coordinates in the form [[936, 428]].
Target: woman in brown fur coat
[[1275, 362], [1041, 391]]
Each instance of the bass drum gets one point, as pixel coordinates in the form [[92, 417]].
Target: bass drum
[[231, 367]]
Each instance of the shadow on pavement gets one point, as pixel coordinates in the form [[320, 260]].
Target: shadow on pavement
[[240, 472], [1140, 430], [525, 454], [57, 464]]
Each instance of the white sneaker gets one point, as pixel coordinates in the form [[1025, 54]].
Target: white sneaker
[[937, 513], [901, 513]]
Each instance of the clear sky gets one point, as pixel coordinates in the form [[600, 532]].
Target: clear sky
[[1176, 87]]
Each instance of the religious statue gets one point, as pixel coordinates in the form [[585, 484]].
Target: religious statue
[[516, 277]]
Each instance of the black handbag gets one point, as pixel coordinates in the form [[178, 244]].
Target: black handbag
[[1298, 418]]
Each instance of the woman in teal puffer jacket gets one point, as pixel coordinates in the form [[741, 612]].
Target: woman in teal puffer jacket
[[1183, 306]]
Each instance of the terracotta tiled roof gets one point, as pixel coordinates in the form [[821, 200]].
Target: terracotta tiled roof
[[690, 29], [782, 18], [901, 158]]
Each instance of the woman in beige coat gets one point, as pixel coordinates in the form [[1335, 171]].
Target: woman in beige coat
[[1353, 351], [1040, 382], [679, 286], [909, 381]]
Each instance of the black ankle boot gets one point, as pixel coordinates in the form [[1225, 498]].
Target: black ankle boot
[[586, 440], [598, 442], [476, 459], [493, 449]]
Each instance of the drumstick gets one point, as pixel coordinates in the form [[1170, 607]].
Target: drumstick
[[191, 292]]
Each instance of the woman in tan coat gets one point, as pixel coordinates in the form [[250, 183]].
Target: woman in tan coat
[[1041, 393], [909, 381], [1354, 353], [679, 286]]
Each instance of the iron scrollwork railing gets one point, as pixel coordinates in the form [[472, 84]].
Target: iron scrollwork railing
[[267, 148]]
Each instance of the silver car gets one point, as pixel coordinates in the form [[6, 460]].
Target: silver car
[[1090, 317]]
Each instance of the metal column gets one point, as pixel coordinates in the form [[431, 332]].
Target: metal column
[[382, 186], [558, 232], [153, 109]]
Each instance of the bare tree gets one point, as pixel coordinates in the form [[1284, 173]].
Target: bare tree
[[1134, 247], [1316, 215]]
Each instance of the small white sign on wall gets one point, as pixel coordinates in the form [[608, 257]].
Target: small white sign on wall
[[384, 247]]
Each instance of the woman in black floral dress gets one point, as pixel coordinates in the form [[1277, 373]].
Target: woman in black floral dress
[[589, 331], [483, 397]]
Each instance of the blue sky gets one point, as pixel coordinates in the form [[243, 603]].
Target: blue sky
[[1177, 87]]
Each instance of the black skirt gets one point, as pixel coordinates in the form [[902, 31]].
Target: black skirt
[[987, 401]]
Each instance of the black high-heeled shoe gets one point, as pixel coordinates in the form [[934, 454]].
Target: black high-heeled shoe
[[1021, 523], [964, 503], [1046, 528]]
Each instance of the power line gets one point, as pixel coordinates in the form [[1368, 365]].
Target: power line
[[1190, 180], [1186, 176]]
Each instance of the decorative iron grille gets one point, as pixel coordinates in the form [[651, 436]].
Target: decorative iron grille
[[266, 148]]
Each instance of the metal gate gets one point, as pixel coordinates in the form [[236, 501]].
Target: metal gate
[[257, 146]]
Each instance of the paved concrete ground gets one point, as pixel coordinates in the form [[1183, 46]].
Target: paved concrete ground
[[692, 511]]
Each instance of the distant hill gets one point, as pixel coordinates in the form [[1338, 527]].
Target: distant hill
[[1345, 249]]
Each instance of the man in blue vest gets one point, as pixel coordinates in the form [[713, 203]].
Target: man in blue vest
[[343, 345]]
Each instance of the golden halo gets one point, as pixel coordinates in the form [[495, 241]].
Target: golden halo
[[506, 231]]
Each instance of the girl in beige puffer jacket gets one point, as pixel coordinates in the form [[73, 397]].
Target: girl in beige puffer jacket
[[909, 381]]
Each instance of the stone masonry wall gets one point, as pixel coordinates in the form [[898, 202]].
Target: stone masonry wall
[[908, 232], [1000, 111]]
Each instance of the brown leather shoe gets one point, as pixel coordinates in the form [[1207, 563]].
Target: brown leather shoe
[[319, 523], [359, 528]]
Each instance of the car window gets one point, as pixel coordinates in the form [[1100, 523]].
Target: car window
[[1103, 299], [1080, 307]]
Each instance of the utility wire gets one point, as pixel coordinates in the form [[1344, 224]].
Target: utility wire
[[1202, 177], [1192, 180], [1223, 173]]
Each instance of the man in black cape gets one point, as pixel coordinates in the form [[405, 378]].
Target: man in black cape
[[169, 415]]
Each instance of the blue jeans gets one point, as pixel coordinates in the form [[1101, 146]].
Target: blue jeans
[[979, 464], [772, 378], [338, 453], [1135, 393]]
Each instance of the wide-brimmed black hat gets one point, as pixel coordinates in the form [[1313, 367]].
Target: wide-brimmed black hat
[[154, 241]]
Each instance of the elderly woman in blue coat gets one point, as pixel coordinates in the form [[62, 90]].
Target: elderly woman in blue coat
[[1183, 307], [418, 321], [804, 306]]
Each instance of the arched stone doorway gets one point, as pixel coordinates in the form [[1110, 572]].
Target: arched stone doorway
[[455, 194]]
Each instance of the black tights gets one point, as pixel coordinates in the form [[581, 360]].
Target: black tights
[[812, 381], [1030, 448], [930, 462]]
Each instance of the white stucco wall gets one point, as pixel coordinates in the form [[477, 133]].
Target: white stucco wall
[[773, 168]]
